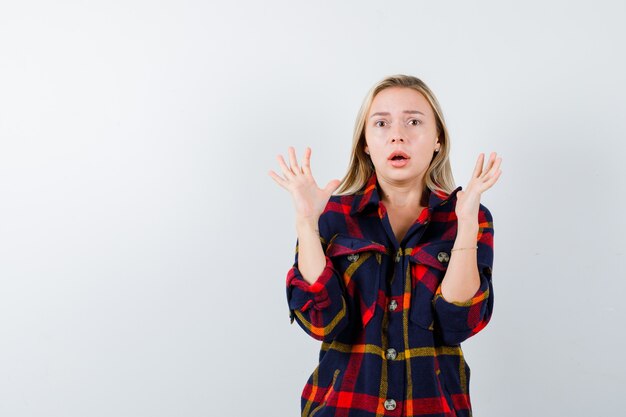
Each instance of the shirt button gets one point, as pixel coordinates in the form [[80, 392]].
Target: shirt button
[[390, 404], [353, 257], [391, 353], [393, 304], [443, 257]]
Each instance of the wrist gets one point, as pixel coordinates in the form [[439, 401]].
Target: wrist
[[307, 224], [467, 224], [467, 234]]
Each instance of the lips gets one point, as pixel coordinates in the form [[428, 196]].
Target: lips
[[398, 155]]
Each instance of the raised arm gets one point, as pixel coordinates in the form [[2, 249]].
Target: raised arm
[[460, 319], [314, 293], [464, 300]]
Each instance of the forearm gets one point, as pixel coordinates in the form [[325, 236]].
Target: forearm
[[311, 258], [314, 291], [462, 279]]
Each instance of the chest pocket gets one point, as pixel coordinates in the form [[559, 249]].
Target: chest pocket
[[359, 264], [428, 263]]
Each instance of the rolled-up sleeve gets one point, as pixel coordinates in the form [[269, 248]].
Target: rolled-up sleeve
[[457, 321], [319, 308]]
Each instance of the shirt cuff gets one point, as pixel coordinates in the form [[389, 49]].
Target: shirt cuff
[[462, 315], [303, 295]]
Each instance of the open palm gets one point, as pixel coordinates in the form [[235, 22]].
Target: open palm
[[468, 201], [309, 200]]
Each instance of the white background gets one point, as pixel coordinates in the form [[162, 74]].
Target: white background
[[144, 247]]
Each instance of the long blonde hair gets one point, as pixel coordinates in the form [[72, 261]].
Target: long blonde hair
[[439, 174]]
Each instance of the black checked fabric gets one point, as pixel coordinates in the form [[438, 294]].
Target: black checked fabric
[[390, 342]]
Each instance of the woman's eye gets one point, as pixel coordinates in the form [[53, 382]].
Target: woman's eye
[[415, 120], [380, 121]]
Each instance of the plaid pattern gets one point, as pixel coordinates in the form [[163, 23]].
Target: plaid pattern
[[390, 341]]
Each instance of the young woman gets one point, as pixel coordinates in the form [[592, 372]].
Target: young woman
[[393, 272]]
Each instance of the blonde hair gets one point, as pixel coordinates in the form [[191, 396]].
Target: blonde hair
[[439, 174]]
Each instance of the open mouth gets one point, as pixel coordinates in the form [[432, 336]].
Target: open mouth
[[398, 155], [399, 161]]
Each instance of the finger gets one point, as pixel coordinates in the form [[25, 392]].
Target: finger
[[278, 179], [494, 173], [493, 167], [286, 170], [497, 163], [486, 171], [492, 160], [479, 165], [292, 160], [498, 173], [488, 184], [306, 161]]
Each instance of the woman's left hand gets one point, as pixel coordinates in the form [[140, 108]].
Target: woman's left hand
[[468, 200]]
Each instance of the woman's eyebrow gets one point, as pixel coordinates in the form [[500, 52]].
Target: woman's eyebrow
[[384, 113]]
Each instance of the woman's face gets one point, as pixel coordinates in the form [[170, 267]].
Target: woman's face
[[401, 119]]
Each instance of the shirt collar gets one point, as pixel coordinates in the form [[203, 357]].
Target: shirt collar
[[370, 196]]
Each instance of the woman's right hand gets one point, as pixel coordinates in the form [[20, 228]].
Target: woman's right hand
[[309, 200]]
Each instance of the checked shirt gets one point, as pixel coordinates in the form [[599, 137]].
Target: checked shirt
[[390, 343]]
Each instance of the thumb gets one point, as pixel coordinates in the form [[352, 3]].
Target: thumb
[[332, 186]]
